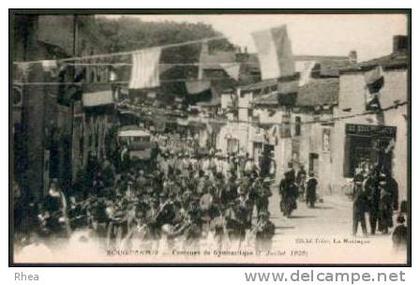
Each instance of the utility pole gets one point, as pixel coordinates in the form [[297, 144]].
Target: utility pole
[[75, 35], [75, 53]]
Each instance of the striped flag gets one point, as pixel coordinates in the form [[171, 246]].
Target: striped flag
[[232, 69], [145, 69], [274, 52], [374, 80], [305, 74]]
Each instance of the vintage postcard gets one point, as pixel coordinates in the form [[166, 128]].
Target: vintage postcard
[[215, 137]]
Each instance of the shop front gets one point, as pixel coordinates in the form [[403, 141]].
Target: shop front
[[367, 146]]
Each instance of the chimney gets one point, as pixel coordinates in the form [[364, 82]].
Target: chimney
[[353, 56], [400, 43]]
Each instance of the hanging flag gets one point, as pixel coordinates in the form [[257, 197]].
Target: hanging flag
[[197, 86], [23, 69], [198, 91], [374, 80], [145, 69], [390, 146], [49, 65], [305, 74], [326, 138], [275, 131], [232, 69], [274, 52]]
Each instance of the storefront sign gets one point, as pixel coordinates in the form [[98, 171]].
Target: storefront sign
[[370, 130]]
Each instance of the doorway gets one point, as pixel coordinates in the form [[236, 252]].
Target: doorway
[[314, 163]]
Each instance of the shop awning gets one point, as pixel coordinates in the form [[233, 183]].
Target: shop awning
[[133, 133], [99, 98]]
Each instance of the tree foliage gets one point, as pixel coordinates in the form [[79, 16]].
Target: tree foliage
[[128, 33]]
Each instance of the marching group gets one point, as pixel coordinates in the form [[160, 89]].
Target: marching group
[[183, 197]]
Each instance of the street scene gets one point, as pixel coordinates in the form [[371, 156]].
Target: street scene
[[199, 139]]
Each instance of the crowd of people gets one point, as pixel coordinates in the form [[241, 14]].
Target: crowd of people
[[173, 141], [185, 198], [375, 192]]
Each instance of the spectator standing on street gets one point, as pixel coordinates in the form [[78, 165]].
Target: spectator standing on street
[[300, 181], [371, 188], [399, 236], [264, 232], [311, 186], [359, 204]]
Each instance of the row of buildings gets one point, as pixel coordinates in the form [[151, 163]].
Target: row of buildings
[[321, 117], [318, 117]]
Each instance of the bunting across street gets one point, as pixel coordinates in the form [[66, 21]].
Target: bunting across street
[[145, 69]]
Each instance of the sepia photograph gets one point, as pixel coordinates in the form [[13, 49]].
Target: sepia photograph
[[209, 137]]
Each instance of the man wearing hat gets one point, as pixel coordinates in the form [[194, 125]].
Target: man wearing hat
[[243, 211], [371, 188], [311, 185], [288, 192], [359, 204], [264, 232], [224, 165], [392, 185], [229, 193], [219, 162], [54, 215], [165, 212], [263, 194], [232, 222], [250, 167], [300, 181], [385, 205], [399, 236]]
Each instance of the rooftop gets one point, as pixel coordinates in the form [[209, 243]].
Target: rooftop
[[214, 60], [322, 91], [320, 58], [394, 60], [267, 99], [267, 83], [215, 101]]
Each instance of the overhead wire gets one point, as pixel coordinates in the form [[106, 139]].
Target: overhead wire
[[124, 53]]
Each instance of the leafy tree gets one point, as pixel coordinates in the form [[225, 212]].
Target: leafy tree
[[128, 33]]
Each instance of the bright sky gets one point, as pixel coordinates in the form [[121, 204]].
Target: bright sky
[[370, 35]]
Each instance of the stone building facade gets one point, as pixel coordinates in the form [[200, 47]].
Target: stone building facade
[[381, 133]]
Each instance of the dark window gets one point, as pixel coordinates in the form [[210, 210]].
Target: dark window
[[298, 123], [81, 147], [285, 126], [250, 112]]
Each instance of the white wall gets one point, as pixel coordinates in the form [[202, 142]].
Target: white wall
[[352, 95]]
